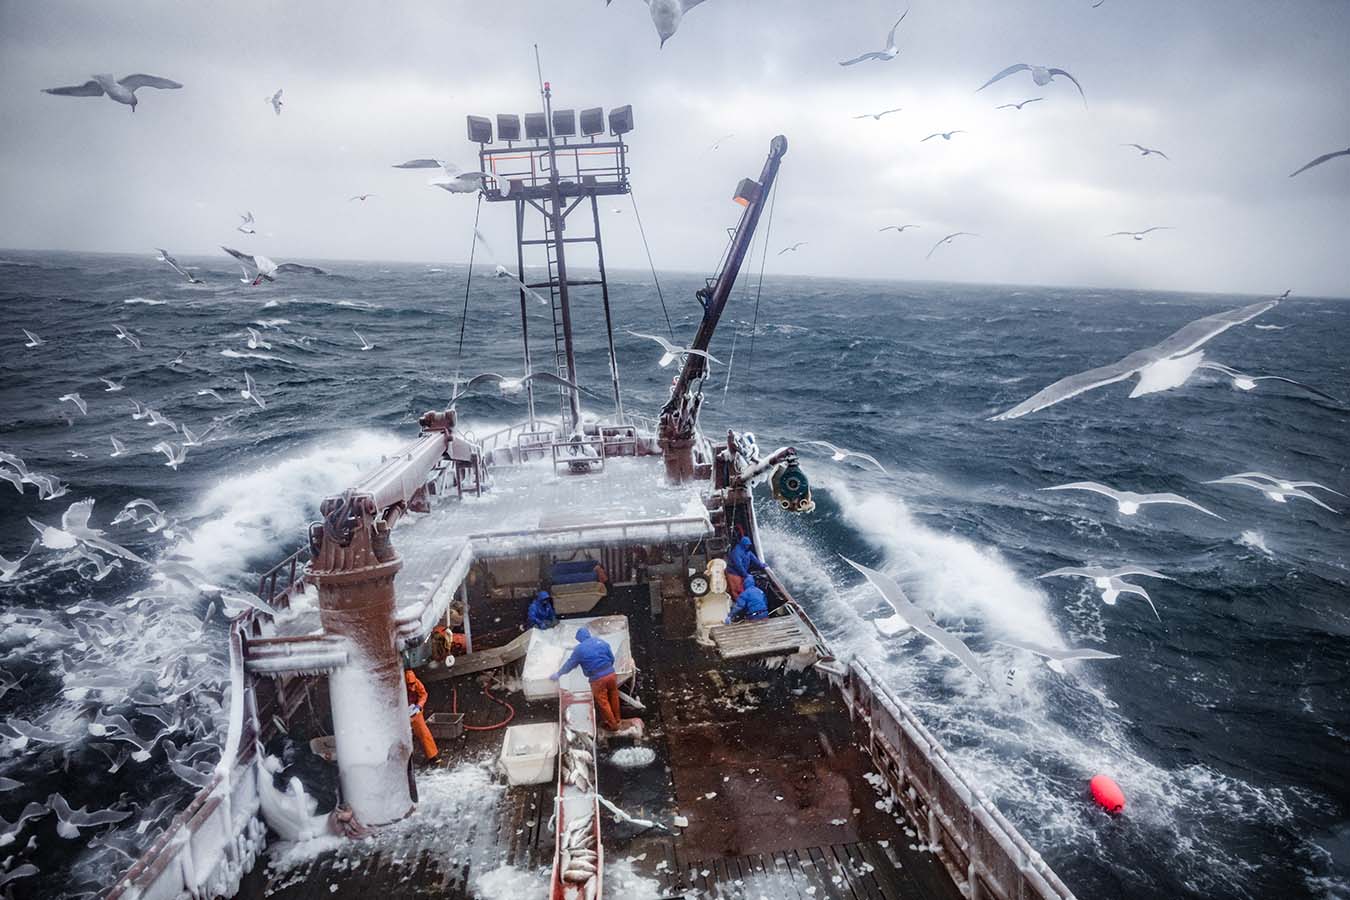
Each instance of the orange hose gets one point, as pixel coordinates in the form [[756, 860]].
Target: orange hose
[[510, 711]]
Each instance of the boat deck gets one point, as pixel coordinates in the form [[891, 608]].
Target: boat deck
[[766, 766]]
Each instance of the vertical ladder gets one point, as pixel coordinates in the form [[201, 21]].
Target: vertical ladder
[[555, 301]]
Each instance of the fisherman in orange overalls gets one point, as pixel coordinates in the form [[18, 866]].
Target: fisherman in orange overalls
[[417, 698]]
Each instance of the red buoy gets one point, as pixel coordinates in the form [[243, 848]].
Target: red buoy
[[1107, 793]]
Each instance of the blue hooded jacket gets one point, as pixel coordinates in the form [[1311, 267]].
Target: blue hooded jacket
[[592, 654], [742, 557], [751, 604], [542, 615]]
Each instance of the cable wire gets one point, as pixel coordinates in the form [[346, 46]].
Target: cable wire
[[657, 281], [468, 282], [768, 229]]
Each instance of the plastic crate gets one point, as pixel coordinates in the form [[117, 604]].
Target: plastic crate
[[529, 753], [445, 726]]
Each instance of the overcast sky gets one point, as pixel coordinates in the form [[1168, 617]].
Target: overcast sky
[[1238, 94]]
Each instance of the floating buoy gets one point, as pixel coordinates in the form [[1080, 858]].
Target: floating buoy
[[1107, 793]]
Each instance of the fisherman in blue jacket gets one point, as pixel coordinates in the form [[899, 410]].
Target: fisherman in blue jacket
[[740, 561], [542, 615], [750, 605], [597, 664]]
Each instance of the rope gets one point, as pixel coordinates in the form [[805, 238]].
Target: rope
[[657, 281], [754, 325], [468, 282]]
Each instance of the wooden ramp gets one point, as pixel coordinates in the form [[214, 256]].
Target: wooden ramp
[[773, 636], [470, 663]]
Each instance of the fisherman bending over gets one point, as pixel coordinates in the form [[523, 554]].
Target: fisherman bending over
[[597, 664], [741, 561], [417, 699], [750, 605], [542, 615]]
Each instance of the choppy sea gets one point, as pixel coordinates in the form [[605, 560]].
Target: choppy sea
[[1227, 723]]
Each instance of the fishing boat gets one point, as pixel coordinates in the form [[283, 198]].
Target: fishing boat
[[752, 761]]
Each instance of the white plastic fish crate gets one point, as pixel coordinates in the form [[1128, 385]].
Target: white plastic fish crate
[[529, 753]]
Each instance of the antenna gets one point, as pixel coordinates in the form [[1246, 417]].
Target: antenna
[[539, 68]]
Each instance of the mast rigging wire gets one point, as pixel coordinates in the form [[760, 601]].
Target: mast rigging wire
[[468, 282], [768, 229], [657, 281]]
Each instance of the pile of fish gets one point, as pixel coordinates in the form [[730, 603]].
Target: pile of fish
[[578, 760], [578, 850]]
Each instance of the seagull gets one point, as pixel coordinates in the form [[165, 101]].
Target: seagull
[[123, 90], [1273, 492], [179, 358], [362, 197], [210, 392], [255, 340], [1139, 235], [119, 448], [1321, 159], [166, 257], [510, 386], [1286, 484], [1042, 75], [77, 400], [139, 410], [1179, 344], [1244, 382], [886, 55], [908, 616], [839, 453], [1018, 105], [132, 513], [1147, 151], [792, 248], [250, 392], [33, 339], [48, 487], [899, 229], [275, 100], [948, 239], [102, 567], [1056, 657], [158, 418], [112, 385], [667, 14], [192, 439], [9, 568], [1128, 502], [124, 335], [75, 529], [945, 135], [15, 478], [455, 180], [672, 351], [175, 456], [717, 144], [365, 344], [266, 269], [877, 115], [1111, 582], [246, 225], [70, 821]]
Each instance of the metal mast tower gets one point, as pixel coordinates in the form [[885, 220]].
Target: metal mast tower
[[552, 172]]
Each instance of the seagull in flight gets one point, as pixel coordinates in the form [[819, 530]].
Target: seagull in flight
[[1111, 582], [898, 229], [365, 344], [671, 351], [75, 530], [1244, 382], [256, 341], [453, 178], [793, 248], [122, 90], [1147, 151], [717, 144], [1139, 235], [1175, 348], [267, 270], [362, 197], [175, 455], [246, 224], [1286, 484], [1042, 75], [250, 392], [275, 100], [210, 392], [166, 257], [1018, 105], [33, 339], [1129, 502], [1056, 657], [512, 386], [948, 239], [889, 53], [70, 821], [907, 616], [112, 385], [667, 15], [119, 448], [877, 115], [1272, 490], [124, 335], [839, 454], [76, 399], [945, 135], [1321, 159]]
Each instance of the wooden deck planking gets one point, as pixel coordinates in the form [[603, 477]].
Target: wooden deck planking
[[783, 634]]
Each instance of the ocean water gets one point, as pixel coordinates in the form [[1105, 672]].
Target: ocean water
[[1227, 723]]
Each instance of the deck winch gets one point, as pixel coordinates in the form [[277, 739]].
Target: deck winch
[[791, 488]]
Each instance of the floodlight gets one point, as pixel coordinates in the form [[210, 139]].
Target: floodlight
[[592, 121], [564, 122], [480, 129], [621, 120], [508, 127], [748, 191], [536, 126]]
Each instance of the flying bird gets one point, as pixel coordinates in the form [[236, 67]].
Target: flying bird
[[838, 454], [1244, 382], [1286, 484], [717, 144], [33, 339], [1139, 235], [945, 135], [896, 228], [124, 335], [192, 439], [511, 386], [75, 529], [1321, 159], [119, 448], [362, 197], [123, 90], [889, 53], [70, 821], [275, 100], [1129, 502], [166, 257], [671, 351], [1175, 347], [948, 239], [453, 178], [667, 15], [365, 344], [255, 340], [1111, 582], [908, 616], [76, 399], [246, 224], [210, 392], [1056, 657], [1273, 491], [1147, 151], [112, 385], [877, 115], [250, 392], [267, 270], [175, 455], [1042, 75], [793, 248], [1018, 105]]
